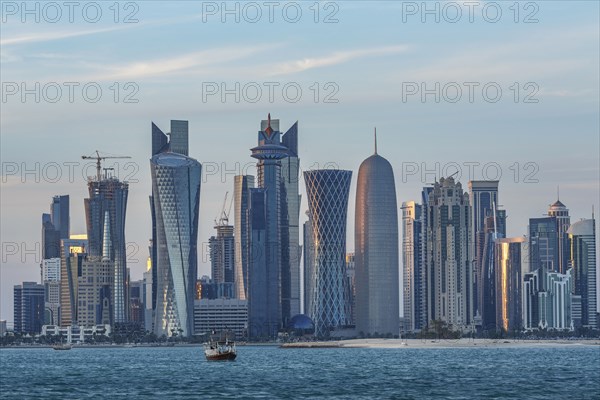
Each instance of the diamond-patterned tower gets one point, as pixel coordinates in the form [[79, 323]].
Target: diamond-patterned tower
[[175, 206], [327, 192]]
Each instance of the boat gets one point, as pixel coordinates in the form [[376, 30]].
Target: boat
[[220, 349], [62, 346]]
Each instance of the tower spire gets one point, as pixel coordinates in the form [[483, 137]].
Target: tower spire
[[558, 192], [375, 140]]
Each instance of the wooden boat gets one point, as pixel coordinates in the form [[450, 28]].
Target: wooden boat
[[220, 351]]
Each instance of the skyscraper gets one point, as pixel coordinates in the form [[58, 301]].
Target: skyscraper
[[73, 252], [174, 204], [559, 211], [447, 255], [290, 168], [275, 244], [543, 243], [108, 194], [494, 229], [28, 307], [483, 197], [308, 262], [327, 192], [51, 281], [59, 211], [376, 248], [412, 262], [221, 248], [582, 258], [511, 265], [241, 205], [547, 300]]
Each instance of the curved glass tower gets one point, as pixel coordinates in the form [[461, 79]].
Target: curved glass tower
[[176, 201], [376, 253], [327, 192]]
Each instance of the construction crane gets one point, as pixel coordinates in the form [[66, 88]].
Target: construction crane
[[99, 159], [223, 218]]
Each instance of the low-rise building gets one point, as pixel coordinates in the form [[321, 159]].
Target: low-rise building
[[221, 314]]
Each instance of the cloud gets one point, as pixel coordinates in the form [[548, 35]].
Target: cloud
[[334, 59], [49, 36]]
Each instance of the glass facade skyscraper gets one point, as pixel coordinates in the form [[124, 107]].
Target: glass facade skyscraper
[[543, 243], [176, 201], [412, 261], [582, 258], [327, 193], [241, 205], [511, 265], [376, 248]]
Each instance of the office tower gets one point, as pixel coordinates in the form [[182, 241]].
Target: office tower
[[412, 257], [50, 238], [421, 281], [493, 229], [582, 259], [108, 195], [73, 252], [222, 257], [447, 255], [483, 197], [51, 282], [207, 288], [28, 308], [94, 292], [309, 268], [241, 195], [351, 286], [543, 243], [511, 265], [59, 212], [176, 201], [264, 313], [275, 244], [559, 211], [136, 302], [547, 300], [327, 193], [290, 226], [376, 248]]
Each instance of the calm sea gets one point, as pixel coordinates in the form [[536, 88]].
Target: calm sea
[[270, 372]]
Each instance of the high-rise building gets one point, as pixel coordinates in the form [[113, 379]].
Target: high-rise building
[[376, 248], [559, 211], [483, 197], [95, 292], [494, 228], [309, 269], [264, 307], [59, 212], [447, 255], [222, 257], [412, 263], [108, 196], [547, 300], [136, 302], [275, 244], [241, 196], [51, 282], [543, 243], [176, 201], [327, 193], [511, 265], [290, 226], [351, 286], [582, 259], [73, 252], [28, 308], [55, 226]]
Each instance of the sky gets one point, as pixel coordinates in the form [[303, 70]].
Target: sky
[[493, 90]]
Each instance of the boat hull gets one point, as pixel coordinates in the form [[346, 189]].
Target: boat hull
[[221, 357]]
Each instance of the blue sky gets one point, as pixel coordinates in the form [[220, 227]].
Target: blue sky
[[366, 61]]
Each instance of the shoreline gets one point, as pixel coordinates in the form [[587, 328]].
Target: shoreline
[[440, 344]]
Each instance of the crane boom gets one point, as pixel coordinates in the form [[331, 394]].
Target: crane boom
[[99, 159]]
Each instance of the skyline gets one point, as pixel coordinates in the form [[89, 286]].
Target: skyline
[[558, 135]]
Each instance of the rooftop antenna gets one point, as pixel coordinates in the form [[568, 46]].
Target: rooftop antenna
[[375, 140], [558, 192]]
